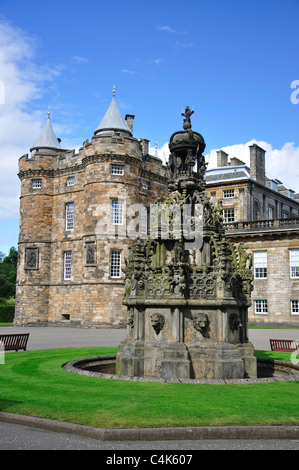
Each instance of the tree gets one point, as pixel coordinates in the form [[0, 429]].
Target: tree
[[8, 273]]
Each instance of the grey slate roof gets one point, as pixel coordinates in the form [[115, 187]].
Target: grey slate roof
[[47, 138], [227, 174], [113, 120]]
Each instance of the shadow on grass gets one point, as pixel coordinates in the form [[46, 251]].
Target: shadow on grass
[[9, 404]]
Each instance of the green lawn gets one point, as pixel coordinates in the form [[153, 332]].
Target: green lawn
[[34, 383]]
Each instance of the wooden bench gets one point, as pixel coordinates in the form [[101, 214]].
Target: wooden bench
[[285, 345], [14, 342]]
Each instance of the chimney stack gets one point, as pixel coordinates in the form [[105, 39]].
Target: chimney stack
[[222, 158], [130, 118], [257, 164], [145, 146]]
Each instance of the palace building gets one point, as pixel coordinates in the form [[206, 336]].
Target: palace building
[[263, 215], [80, 212]]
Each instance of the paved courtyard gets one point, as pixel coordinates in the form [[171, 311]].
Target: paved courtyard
[[65, 337]]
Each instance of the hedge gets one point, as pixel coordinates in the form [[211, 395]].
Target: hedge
[[7, 313]]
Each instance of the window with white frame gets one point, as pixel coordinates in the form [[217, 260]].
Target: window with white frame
[[69, 216], [294, 264], [228, 215], [261, 306], [295, 307], [70, 181], [115, 264], [36, 184], [67, 265], [117, 212], [227, 193], [260, 264], [117, 170]]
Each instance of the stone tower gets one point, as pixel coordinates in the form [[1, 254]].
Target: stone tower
[[187, 288], [76, 211]]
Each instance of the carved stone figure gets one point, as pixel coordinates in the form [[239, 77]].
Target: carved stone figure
[[190, 162], [235, 321], [201, 322], [131, 318], [187, 121], [31, 259], [157, 322], [90, 253]]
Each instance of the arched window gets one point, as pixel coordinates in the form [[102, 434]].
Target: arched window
[[256, 210]]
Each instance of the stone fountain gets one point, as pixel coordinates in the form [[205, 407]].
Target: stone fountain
[[187, 286]]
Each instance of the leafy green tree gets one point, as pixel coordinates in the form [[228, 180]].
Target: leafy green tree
[[8, 273]]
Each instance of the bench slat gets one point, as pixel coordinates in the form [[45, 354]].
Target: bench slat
[[284, 345], [14, 342]]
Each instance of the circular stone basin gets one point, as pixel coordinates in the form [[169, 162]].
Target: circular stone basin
[[269, 370]]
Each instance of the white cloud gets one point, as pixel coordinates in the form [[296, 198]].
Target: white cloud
[[156, 61], [24, 82], [80, 60], [162, 152], [168, 29], [131, 72]]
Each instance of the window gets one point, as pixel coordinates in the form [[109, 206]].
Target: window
[[261, 306], [69, 215], [67, 265], [117, 170], [260, 264], [36, 184], [115, 264], [65, 316], [270, 212], [143, 221], [256, 210], [144, 184], [294, 263], [117, 212], [295, 307], [228, 193], [228, 215], [70, 181]]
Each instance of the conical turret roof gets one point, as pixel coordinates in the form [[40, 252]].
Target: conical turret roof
[[113, 120], [47, 138]]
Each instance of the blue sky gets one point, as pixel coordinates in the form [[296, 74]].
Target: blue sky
[[234, 61]]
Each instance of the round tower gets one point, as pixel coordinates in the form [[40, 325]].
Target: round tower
[[36, 203]]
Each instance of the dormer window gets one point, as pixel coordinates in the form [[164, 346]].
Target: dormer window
[[291, 194]]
